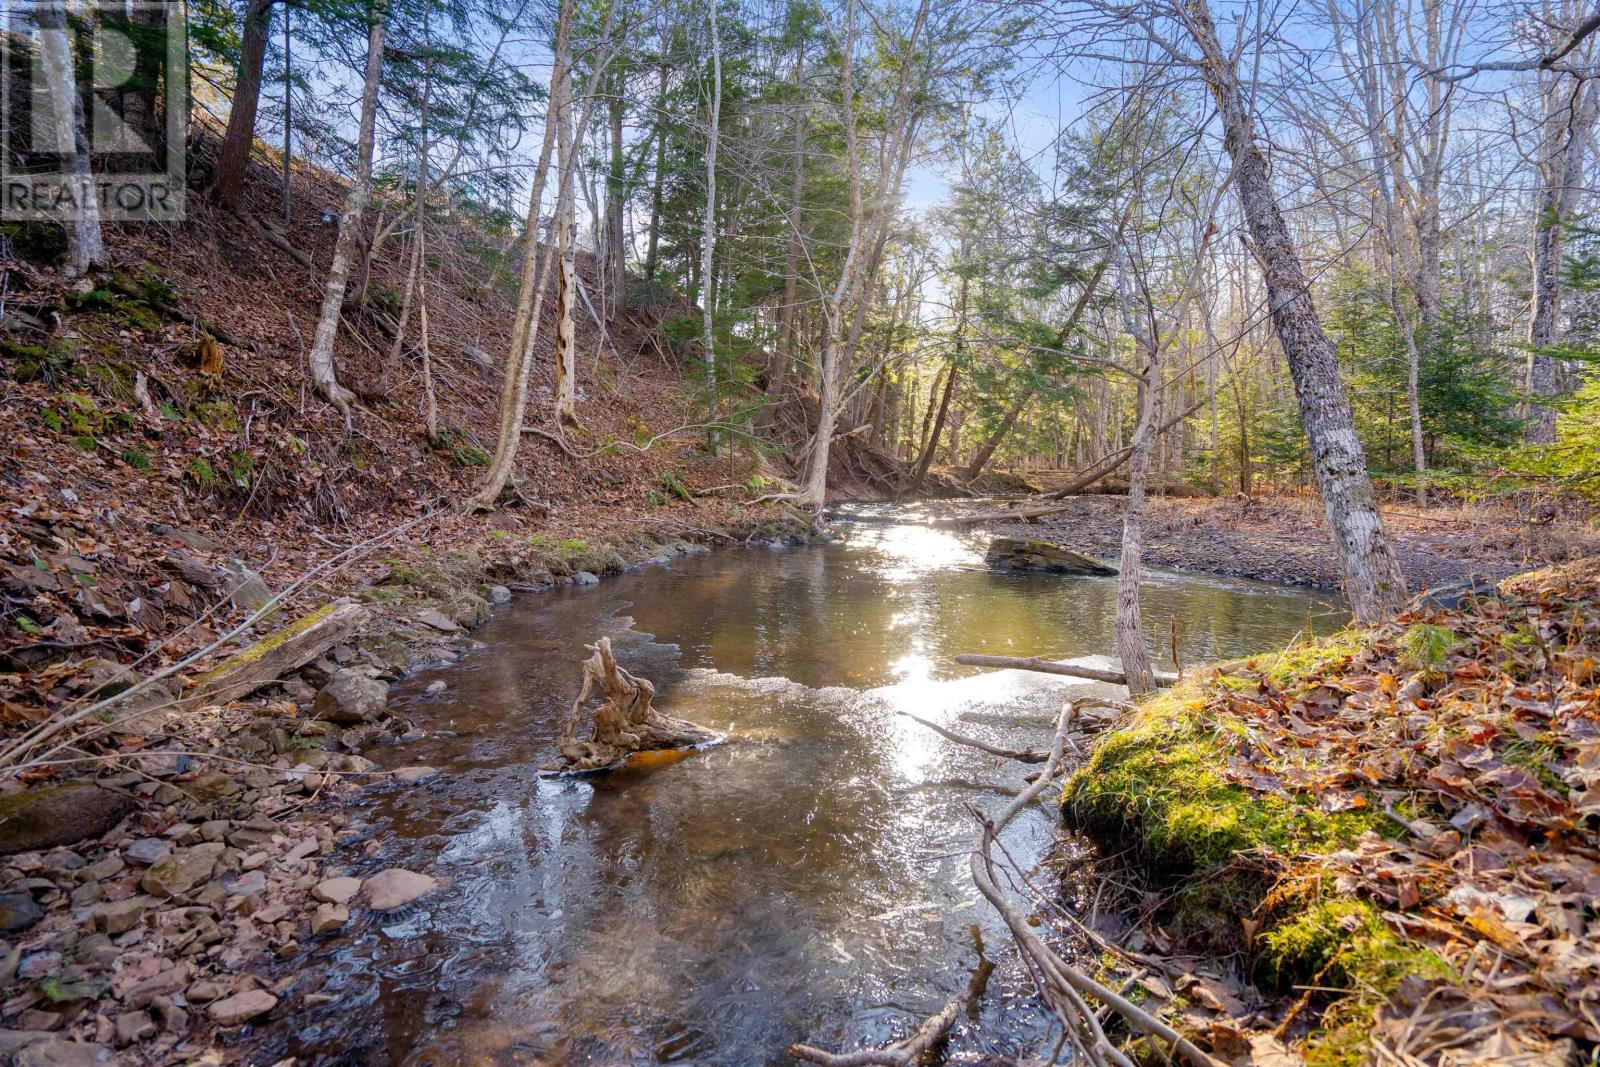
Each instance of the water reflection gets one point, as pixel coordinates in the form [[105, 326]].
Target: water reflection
[[806, 881]]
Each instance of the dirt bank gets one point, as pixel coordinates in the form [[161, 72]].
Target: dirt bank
[[1285, 539]]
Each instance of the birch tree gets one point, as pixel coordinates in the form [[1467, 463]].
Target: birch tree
[[324, 379], [86, 248]]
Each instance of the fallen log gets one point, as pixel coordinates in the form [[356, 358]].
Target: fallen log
[[277, 654], [624, 720], [1016, 554], [1045, 666]]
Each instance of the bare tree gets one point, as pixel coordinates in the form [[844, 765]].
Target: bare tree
[[86, 248]]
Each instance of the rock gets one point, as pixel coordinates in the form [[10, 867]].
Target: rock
[[351, 698], [57, 1053], [242, 1007], [99, 678], [499, 594], [245, 588], [147, 850], [107, 867], [251, 884], [18, 912], [436, 687], [329, 917], [181, 872], [1014, 554], [585, 578], [438, 620], [134, 1026], [120, 916], [479, 356], [397, 886], [205, 991], [414, 774], [43, 818], [213, 786], [336, 890], [14, 1041]]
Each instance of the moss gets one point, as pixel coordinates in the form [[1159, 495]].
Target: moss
[[50, 363], [1155, 784], [1343, 945], [37, 242], [265, 645]]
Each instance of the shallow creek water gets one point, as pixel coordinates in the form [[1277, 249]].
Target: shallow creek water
[[805, 881]]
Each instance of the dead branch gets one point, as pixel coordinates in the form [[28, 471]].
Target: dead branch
[[1021, 755], [901, 1054], [1064, 987], [1045, 666]]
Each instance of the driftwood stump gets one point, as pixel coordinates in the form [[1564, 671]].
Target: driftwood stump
[[624, 720]]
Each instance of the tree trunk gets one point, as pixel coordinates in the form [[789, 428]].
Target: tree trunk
[[709, 233], [288, 117], [1570, 112], [980, 458], [1129, 626], [324, 379], [530, 294], [791, 263], [615, 257], [566, 398], [86, 248], [1373, 580], [659, 177], [241, 133]]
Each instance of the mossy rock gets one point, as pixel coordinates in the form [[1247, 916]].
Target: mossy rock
[[62, 815]]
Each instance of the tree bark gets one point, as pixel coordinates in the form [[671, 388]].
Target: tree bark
[[530, 292], [241, 133], [566, 398], [86, 248], [1131, 645], [787, 335], [708, 236], [324, 379], [1373, 580], [615, 257]]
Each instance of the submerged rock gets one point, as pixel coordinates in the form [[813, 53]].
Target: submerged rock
[[1015, 554], [43, 818]]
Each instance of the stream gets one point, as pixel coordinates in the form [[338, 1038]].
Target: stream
[[806, 881]]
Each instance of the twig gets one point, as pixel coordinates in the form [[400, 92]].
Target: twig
[[901, 1054]]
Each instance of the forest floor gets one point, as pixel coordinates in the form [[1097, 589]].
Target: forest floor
[[1381, 847], [1285, 538]]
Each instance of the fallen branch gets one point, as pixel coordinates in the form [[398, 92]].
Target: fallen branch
[[901, 1054], [1021, 755], [1045, 666], [1064, 987]]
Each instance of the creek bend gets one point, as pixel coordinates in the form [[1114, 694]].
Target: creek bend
[[806, 881]]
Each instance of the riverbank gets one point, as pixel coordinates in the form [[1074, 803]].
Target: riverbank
[[1285, 539], [1382, 842]]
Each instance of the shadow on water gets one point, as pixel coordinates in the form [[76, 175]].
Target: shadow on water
[[805, 881]]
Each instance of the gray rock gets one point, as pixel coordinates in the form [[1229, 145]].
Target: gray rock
[[43, 818], [134, 1026], [147, 850], [18, 912], [245, 587], [57, 1053], [14, 1041], [499, 594], [585, 578], [336, 890], [351, 698], [397, 886], [1014, 554], [438, 620], [183, 871], [436, 687], [414, 774]]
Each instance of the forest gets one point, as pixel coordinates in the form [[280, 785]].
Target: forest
[[766, 531]]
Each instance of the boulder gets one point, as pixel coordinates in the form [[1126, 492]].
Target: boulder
[[397, 886], [43, 818], [1015, 554], [351, 698]]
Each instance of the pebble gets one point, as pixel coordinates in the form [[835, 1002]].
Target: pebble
[[392, 888], [242, 1007], [414, 774], [436, 687], [337, 890], [329, 917], [147, 850], [585, 578]]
